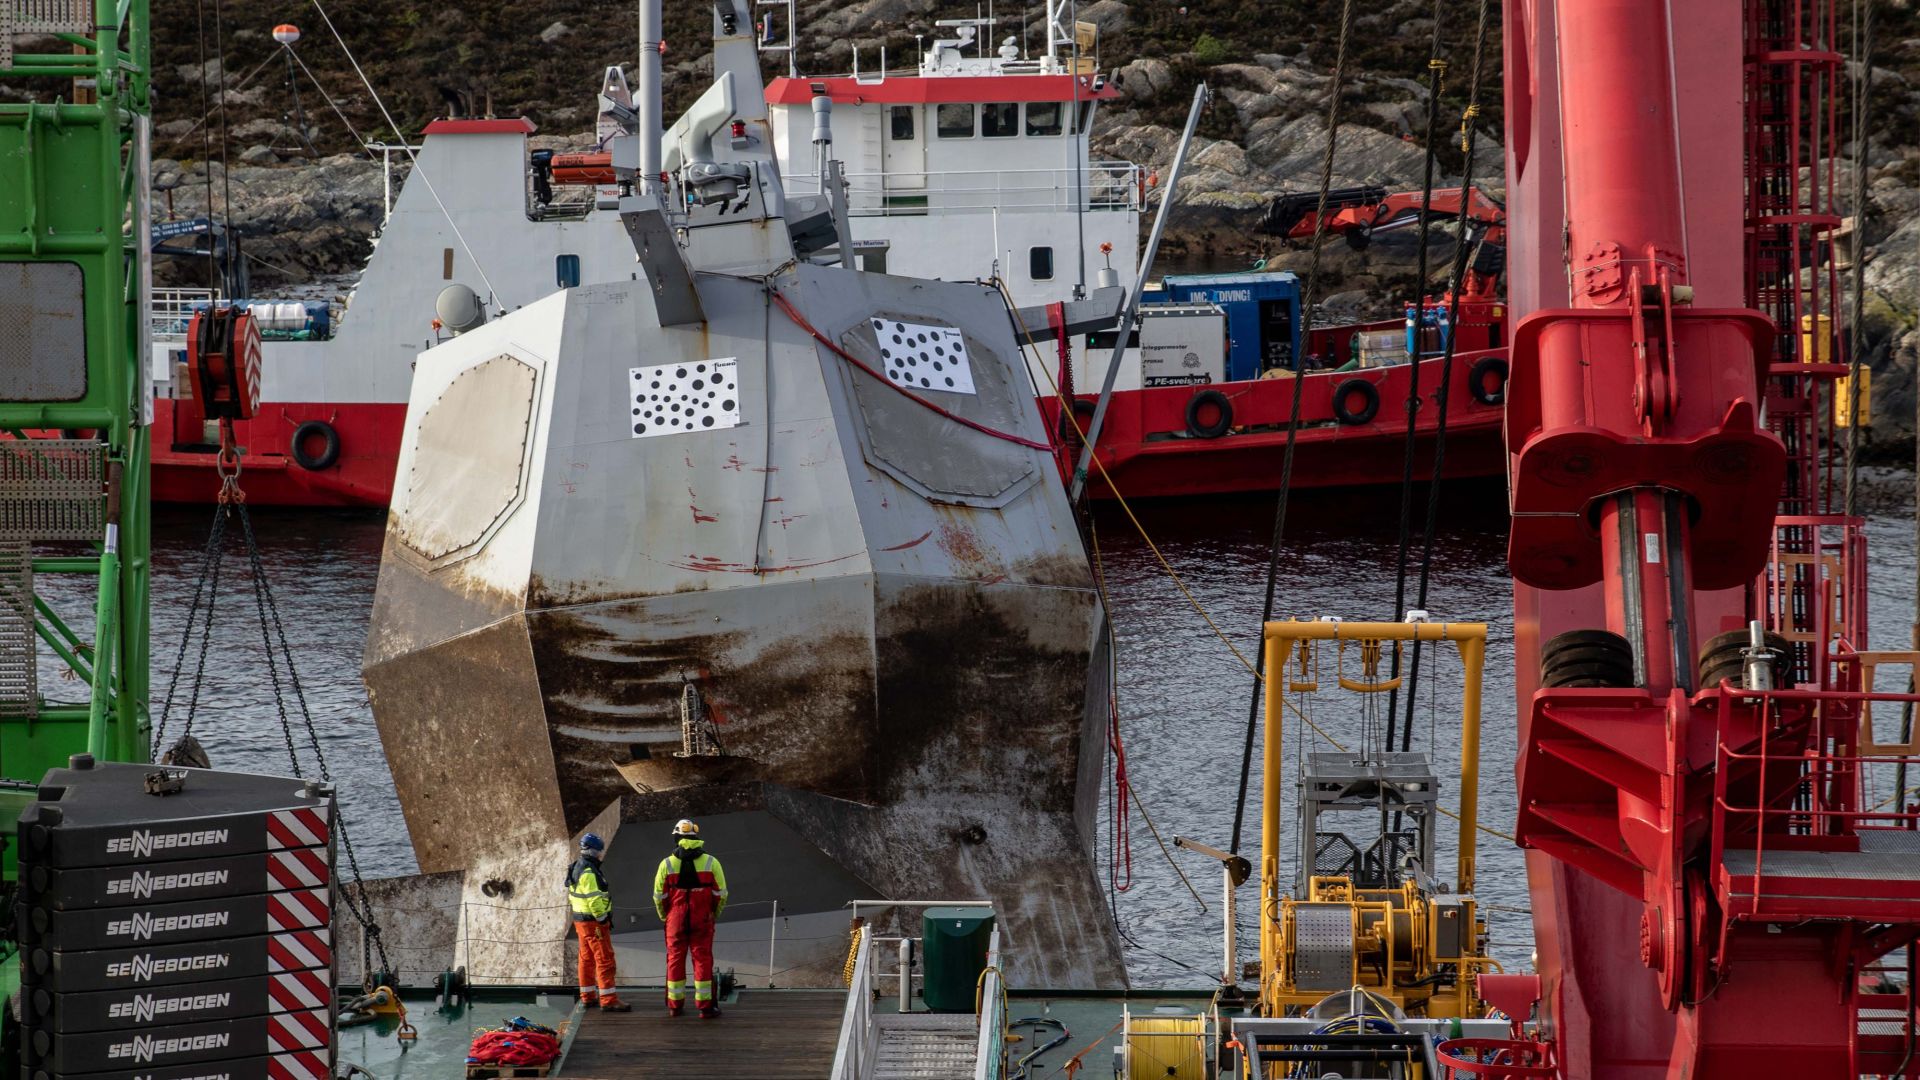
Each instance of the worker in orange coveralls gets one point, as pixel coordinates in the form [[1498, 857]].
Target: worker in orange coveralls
[[689, 893], [593, 920]]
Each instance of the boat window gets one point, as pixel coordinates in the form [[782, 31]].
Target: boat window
[[901, 117], [1040, 263], [1044, 118], [566, 271], [1086, 110], [956, 121], [1000, 120]]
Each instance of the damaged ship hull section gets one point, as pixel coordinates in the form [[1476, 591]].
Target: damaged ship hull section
[[879, 616]]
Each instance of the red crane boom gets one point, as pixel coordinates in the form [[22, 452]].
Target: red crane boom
[[1714, 894]]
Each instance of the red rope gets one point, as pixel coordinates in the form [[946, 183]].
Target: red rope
[[513, 1048], [800, 321], [1123, 792]]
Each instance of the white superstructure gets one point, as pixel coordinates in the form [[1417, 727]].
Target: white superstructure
[[974, 166]]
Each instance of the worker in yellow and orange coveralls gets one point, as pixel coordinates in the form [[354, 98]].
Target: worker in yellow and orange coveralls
[[689, 892], [593, 921]]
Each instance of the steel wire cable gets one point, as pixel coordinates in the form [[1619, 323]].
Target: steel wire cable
[[1462, 254], [1437, 73], [1173, 575], [1856, 328], [1334, 94]]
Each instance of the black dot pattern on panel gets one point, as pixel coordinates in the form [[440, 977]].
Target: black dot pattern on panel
[[673, 399], [923, 357]]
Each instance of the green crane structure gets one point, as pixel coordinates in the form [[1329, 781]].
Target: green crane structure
[[75, 387]]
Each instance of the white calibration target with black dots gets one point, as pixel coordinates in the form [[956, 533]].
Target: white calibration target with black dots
[[673, 399], [921, 357]]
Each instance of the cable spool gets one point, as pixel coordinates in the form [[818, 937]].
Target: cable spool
[[1166, 1048]]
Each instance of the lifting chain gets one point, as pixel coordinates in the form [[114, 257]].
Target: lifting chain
[[232, 504]]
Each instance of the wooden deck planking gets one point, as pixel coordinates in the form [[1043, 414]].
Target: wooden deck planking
[[763, 1035]]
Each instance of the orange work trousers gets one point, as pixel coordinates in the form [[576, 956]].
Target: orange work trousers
[[596, 960]]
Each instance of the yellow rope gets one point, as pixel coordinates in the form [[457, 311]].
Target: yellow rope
[[853, 955], [1066, 411]]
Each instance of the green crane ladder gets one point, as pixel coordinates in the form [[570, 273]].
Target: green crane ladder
[[75, 386]]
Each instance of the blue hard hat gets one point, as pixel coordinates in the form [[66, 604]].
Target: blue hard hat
[[592, 842]]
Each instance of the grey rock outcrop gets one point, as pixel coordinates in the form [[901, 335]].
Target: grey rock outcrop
[[301, 222]]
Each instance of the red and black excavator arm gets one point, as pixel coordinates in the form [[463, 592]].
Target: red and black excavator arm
[[1357, 213]]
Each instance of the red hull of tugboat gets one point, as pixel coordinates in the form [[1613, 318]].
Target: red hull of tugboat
[[361, 474], [1146, 447], [1147, 450]]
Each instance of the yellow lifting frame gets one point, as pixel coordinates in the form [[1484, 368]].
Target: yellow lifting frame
[[1279, 639]]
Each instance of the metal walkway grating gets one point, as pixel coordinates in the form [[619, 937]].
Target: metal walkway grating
[[41, 17], [1884, 855], [52, 489], [926, 1046], [19, 660]]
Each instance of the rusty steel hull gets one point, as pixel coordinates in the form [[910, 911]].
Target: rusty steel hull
[[888, 614]]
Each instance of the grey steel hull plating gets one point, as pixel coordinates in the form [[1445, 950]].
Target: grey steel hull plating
[[888, 613]]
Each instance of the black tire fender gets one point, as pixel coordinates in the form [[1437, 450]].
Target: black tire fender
[[329, 451], [1222, 423], [1073, 429], [1370, 401], [1477, 380]]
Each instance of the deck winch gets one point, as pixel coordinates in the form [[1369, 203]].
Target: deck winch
[[1367, 911]]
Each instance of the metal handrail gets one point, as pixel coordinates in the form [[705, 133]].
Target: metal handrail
[[989, 1058], [1104, 185], [849, 1058], [1833, 809], [173, 308]]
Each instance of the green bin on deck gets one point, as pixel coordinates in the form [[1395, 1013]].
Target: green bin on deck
[[954, 943]]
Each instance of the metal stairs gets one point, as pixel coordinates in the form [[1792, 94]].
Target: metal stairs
[[925, 1046]]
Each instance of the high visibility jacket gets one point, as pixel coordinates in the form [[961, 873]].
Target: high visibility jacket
[[587, 891], [678, 880]]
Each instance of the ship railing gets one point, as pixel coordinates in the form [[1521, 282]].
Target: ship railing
[[1101, 186], [173, 309], [1805, 771], [1815, 587], [858, 1035], [989, 1059]]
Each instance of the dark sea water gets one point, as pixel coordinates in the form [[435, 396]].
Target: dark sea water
[[1184, 696]]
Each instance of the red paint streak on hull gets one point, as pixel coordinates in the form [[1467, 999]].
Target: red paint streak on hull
[[183, 469]]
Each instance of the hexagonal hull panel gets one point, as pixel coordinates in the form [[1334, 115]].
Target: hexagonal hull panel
[[885, 615]]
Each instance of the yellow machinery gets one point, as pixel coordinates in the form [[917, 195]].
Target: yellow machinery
[[1366, 909]]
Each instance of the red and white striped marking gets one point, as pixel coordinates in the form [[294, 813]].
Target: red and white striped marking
[[300, 950], [302, 827], [304, 909], [301, 868], [298, 1031], [295, 991], [300, 1065]]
